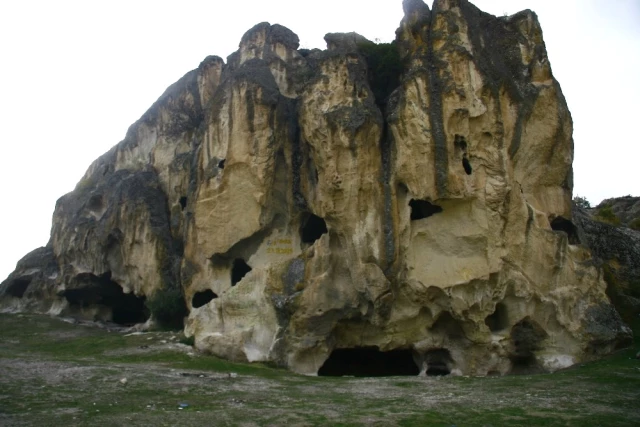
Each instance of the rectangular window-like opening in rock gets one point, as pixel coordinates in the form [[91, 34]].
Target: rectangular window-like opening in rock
[[221, 164], [421, 209], [439, 362], [497, 321], [18, 287], [312, 228], [239, 269], [203, 298], [183, 202], [561, 224], [369, 362]]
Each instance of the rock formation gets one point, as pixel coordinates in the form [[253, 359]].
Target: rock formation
[[616, 249], [365, 209]]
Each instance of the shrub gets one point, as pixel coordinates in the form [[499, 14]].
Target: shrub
[[635, 224], [582, 202], [168, 308], [191, 341], [384, 68], [606, 214]]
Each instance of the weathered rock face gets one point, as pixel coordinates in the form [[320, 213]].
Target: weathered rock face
[[617, 250], [626, 210], [311, 224]]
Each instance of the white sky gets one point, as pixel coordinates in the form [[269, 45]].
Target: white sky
[[75, 74]]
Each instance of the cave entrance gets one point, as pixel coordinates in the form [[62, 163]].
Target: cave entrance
[[421, 209], [497, 321], [239, 269], [91, 290], [562, 224], [203, 298], [438, 362], [526, 337], [18, 287], [183, 202], [369, 362], [312, 228]]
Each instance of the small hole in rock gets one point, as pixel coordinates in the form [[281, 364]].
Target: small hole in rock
[[369, 362], [203, 298], [221, 164], [438, 362], [466, 165], [18, 287], [421, 209], [561, 224], [239, 269], [460, 142], [497, 321], [313, 227], [95, 203], [183, 202]]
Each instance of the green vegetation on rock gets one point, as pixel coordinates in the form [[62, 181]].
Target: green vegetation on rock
[[168, 308], [384, 68], [606, 214], [582, 202]]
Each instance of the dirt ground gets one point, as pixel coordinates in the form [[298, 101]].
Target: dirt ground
[[54, 372]]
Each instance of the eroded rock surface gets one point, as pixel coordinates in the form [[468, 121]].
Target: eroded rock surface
[[313, 219], [616, 249]]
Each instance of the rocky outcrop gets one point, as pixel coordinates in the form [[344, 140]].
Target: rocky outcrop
[[317, 208], [615, 249], [623, 210]]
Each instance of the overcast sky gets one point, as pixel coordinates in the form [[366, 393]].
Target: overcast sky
[[75, 74]]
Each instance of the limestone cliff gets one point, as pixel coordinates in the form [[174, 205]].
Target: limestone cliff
[[322, 211]]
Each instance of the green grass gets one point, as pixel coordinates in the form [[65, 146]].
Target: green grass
[[53, 372]]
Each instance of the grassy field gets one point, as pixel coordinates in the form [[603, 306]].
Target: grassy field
[[56, 373]]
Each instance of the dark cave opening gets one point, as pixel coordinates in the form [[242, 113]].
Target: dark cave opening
[[18, 287], [438, 362], [239, 269], [183, 202], [561, 224], [460, 143], [95, 203], [369, 362], [526, 337], [421, 209], [221, 164], [126, 309], [497, 321], [521, 365], [466, 165], [312, 228], [203, 298]]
